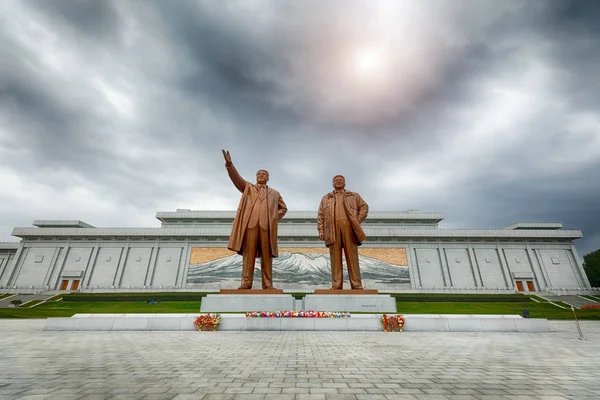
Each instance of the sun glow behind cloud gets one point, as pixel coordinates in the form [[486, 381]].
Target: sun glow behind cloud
[[377, 64], [369, 64]]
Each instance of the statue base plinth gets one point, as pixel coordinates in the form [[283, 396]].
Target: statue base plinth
[[350, 301], [251, 291], [243, 302], [346, 291]]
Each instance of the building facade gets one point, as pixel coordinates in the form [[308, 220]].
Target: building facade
[[404, 250]]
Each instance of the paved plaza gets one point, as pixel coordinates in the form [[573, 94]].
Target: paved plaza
[[37, 364]]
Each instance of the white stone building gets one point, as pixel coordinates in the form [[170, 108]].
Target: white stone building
[[404, 250]]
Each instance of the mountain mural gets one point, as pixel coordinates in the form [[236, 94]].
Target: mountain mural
[[299, 269]]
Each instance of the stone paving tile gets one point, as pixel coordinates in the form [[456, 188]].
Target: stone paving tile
[[280, 397], [299, 365]]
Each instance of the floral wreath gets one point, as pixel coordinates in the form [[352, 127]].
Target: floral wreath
[[392, 322], [208, 320]]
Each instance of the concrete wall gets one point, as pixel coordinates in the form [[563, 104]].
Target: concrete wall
[[499, 265], [104, 270], [167, 266], [6, 266], [490, 268], [429, 267], [460, 268], [164, 264], [35, 266], [560, 268]]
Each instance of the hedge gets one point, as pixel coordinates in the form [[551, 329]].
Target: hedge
[[478, 298], [197, 296], [183, 296]]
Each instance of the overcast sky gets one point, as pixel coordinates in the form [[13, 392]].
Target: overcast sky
[[485, 111]]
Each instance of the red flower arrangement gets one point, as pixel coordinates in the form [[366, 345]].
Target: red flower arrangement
[[392, 322], [208, 320], [297, 314], [591, 306]]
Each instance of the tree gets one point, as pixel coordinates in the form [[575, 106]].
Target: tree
[[591, 266], [16, 303]]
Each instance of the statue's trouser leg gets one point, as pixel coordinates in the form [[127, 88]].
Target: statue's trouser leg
[[335, 254], [351, 252], [266, 259], [250, 248]]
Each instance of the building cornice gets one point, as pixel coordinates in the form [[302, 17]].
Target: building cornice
[[389, 216], [297, 232], [9, 245]]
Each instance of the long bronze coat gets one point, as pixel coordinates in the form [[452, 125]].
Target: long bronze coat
[[275, 207], [356, 210]]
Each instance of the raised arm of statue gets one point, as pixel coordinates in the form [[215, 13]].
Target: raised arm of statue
[[239, 182]]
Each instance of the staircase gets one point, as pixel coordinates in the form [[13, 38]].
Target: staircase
[[5, 303], [572, 300]]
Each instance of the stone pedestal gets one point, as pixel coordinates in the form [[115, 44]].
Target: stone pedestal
[[239, 322], [251, 291], [346, 291], [379, 303], [246, 302]]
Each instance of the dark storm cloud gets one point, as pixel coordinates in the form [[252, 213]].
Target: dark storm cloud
[[126, 105], [575, 51], [228, 66], [95, 19], [569, 200], [50, 129]]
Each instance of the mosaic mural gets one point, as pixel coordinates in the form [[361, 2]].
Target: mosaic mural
[[300, 268]]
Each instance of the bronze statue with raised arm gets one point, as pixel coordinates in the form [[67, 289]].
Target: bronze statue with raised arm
[[254, 232], [340, 214]]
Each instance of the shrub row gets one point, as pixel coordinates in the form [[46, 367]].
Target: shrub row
[[184, 296], [197, 296], [464, 299], [31, 303]]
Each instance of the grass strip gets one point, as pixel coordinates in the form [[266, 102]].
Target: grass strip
[[31, 303], [70, 308], [536, 310], [590, 297], [125, 297]]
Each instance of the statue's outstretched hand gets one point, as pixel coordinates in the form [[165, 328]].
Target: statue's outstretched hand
[[227, 157]]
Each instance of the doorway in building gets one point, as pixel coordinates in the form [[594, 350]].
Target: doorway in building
[[519, 286], [75, 284], [64, 284], [530, 286]]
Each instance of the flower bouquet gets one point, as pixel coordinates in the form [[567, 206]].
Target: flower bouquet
[[392, 322], [297, 314], [208, 320]]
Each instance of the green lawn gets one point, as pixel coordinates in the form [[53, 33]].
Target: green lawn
[[31, 303], [69, 308], [536, 310], [590, 297], [5, 295], [119, 303]]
